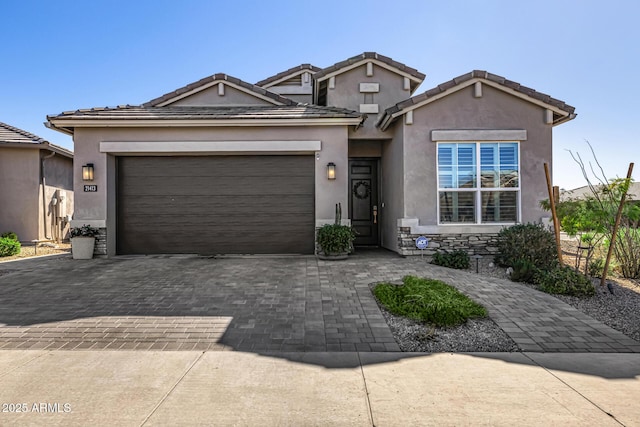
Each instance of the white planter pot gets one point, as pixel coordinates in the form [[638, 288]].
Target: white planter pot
[[82, 247]]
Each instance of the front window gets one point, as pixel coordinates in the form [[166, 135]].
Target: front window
[[478, 182]]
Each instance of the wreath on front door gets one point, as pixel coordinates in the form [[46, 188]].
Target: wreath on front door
[[362, 190]]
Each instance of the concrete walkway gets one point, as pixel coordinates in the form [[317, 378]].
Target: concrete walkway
[[147, 388], [258, 304]]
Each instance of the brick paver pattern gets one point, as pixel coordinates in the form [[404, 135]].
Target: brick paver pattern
[[257, 304]]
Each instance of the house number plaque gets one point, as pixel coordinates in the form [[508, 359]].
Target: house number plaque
[[90, 188]]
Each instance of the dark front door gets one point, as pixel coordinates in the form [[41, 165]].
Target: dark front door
[[363, 205]]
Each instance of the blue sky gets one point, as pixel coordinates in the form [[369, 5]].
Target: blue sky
[[65, 55]]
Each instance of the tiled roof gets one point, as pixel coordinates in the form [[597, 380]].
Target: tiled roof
[[221, 77], [132, 112], [10, 134], [13, 135], [369, 55], [386, 118], [288, 72]]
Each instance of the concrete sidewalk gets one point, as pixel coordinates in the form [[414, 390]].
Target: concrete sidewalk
[[134, 388]]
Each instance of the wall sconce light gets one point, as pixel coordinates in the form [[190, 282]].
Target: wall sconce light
[[331, 171], [87, 172]]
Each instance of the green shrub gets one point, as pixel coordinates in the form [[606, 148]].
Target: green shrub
[[456, 259], [524, 271], [565, 281], [528, 242], [9, 235], [429, 301], [335, 238], [596, 267], [84, 231], [9, 247]]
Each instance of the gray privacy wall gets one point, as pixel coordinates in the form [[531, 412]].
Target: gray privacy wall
[[24, 209]]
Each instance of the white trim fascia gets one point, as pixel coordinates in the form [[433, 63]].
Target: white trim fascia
[[143, 122], [289, 76], [176, 147], [215, 82], [479, 135], [416, 228], [364, 61], [472, 82]]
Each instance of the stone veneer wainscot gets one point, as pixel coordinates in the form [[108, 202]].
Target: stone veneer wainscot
[[474, 244]]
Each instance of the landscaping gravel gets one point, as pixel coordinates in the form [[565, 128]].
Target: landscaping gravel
[[473, 336], [620, 311]]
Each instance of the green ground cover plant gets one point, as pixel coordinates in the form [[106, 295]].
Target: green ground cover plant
[[458, 259], [427, 300]]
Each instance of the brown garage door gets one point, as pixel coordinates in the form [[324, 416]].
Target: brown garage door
[[216, 205]]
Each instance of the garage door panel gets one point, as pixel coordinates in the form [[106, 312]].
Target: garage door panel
[[224, 186], [211, 205], [215, 223], [272, 241], [214, 206], [251, 166]]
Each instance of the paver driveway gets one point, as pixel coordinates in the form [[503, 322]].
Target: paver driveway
[[185, 303], [256, 304]]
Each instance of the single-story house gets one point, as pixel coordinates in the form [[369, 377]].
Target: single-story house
[[36, 186], [224, 166], [633, 194]]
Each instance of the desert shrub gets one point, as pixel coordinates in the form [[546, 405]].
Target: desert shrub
[[564, 280], [9, 235], [9, 247], [527, 242], [428, 300], [627, 252], [524, 271], [596, 267], [456, 259]]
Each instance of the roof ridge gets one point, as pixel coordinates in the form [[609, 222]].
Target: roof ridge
[[212, 78], [371, 55], [278, 76], [475, 74]]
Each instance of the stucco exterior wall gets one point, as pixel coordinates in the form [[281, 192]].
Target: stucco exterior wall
[[346, 94], [461, 110], [98, 209], [58, 173], [210, 96], [392, 191], [19, 190], [363, 148], [22, 207], [303, 98]]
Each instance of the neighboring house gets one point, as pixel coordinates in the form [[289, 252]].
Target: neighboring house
[[581, 192], [224, 166], [36, 186]]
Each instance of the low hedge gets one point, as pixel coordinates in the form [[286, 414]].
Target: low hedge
[[9, 247]]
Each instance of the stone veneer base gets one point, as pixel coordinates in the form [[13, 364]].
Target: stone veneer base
[[473, 243]]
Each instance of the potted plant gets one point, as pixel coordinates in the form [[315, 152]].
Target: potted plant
[[335, 240], [83, 241]]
